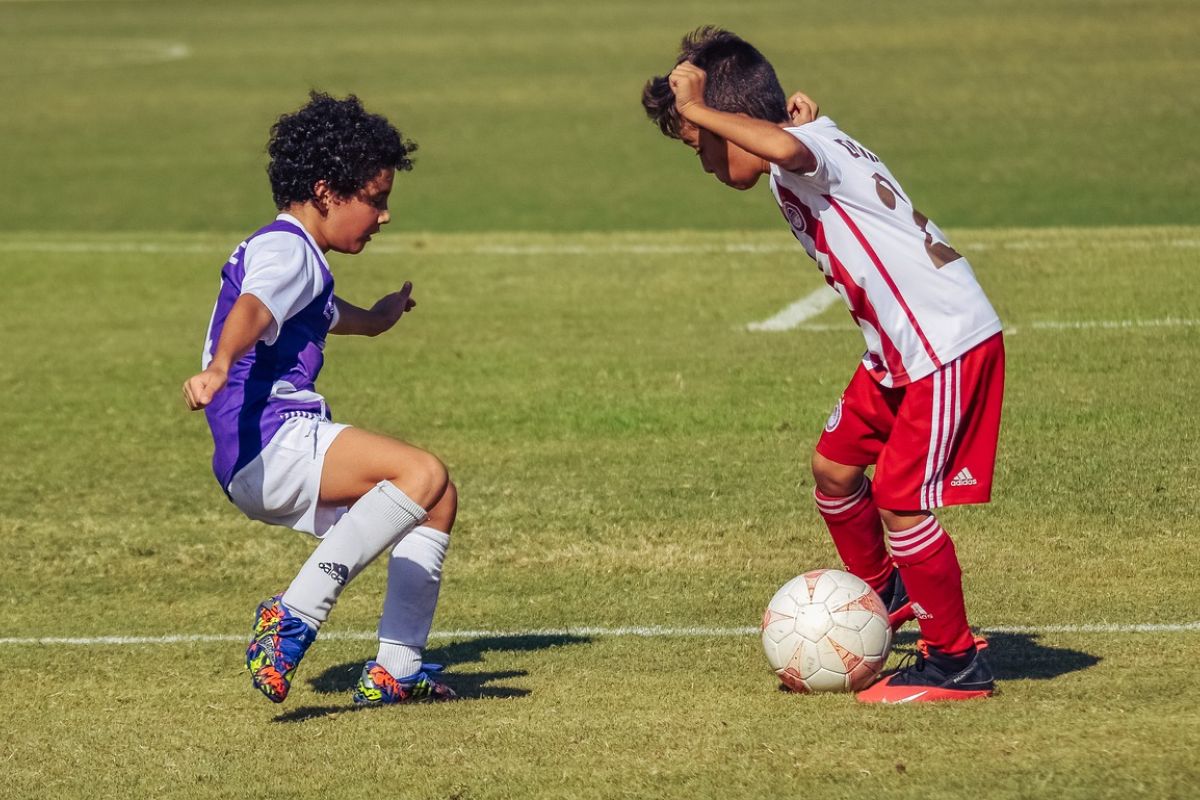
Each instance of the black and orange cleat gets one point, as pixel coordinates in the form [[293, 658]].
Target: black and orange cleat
[[931, 677]]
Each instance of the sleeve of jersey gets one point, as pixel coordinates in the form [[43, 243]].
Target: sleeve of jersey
[[281, 275], [827, 174]]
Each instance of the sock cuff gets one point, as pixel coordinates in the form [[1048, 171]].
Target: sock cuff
[[917, 543], [831, 506], [440, 538], [402, 511]]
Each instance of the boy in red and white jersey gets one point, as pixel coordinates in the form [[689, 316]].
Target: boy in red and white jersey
[[923, 408]]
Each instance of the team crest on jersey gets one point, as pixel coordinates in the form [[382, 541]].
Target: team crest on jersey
[[835, 418], [795, 217]]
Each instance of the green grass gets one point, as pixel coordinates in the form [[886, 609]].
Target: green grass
[[1074, 112], [627, 455]]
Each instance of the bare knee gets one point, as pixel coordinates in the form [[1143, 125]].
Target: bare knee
[[423, 477], [834, 479], [442, 515]]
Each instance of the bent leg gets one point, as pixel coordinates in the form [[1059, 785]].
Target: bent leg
[[357, 461], [414, 581], [929, 567], [388, 485], [844, 500]]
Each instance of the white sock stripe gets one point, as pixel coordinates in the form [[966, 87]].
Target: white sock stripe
[[900, 537], [836, 505], [915, 547]]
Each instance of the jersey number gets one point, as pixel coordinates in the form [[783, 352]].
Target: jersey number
[[940, 253]]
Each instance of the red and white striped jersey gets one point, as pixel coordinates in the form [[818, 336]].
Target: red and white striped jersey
[[915, 298]]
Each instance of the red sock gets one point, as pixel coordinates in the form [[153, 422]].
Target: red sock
[[929, 567], [857, 533]]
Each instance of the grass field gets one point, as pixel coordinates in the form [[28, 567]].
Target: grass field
[[632, 460], [628, 456]]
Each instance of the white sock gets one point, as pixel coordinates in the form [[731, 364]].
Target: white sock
[[414, 579], [373, 524]]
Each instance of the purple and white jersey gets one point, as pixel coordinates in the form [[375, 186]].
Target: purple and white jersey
[[282, 266]]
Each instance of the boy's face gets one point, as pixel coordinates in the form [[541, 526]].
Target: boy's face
[[351, 221], [732, 165]]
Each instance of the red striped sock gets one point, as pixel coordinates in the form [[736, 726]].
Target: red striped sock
[[857, 533], [929, 567]]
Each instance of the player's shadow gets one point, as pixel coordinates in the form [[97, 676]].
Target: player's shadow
[[342, 678], [1015, 656]]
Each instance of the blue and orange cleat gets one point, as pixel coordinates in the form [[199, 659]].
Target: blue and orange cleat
[[377, 687], [279, 641], [928, 676]]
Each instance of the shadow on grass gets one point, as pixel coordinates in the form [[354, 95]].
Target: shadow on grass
[[342, 678], [1015, 656]]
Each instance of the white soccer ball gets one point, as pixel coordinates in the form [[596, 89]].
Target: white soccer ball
[[826, 631]]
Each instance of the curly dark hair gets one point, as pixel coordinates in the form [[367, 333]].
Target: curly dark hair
[[740, 80], [331, 140]]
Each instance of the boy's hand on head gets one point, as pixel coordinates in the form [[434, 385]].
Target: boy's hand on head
[[198, 390], [390, 308], [802, 109], [687, 82]]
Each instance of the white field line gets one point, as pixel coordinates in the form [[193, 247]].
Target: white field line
[[417, 246], [648, 632], [1009, 330], [803, 309], [1108, 324], [386, 248]]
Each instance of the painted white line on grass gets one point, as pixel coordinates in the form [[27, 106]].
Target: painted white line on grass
[[1110, 324], [1011, 330], [803, 309], [415, 248], [648, 632]]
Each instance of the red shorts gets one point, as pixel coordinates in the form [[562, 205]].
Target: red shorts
[[933, 442]]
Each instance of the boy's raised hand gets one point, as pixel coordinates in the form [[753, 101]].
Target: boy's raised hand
[[687, 82], [391, 307], [802, 109]]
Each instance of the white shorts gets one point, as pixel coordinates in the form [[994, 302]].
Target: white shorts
[[283, 485]]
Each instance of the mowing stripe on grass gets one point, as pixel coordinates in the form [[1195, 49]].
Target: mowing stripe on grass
[[647, 632]]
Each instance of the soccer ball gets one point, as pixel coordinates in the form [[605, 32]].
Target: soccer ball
[[826, 631]]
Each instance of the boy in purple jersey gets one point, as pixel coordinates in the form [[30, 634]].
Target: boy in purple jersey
[[278, 455]]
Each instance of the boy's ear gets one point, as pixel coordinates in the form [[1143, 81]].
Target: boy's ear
[[322, 196]]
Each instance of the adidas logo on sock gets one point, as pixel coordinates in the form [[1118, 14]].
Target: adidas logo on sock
[[963, 478], [338, 572]]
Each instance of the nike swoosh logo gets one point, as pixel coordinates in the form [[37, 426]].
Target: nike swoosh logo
[[911, 697]]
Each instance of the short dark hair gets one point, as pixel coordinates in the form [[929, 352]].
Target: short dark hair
[[740, 80], [331, 140]]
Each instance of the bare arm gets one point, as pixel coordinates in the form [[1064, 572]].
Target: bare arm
[[764, 139], [245, 325], [386, 312]]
